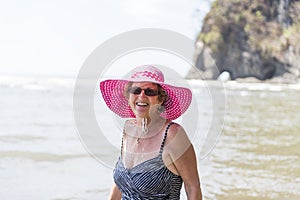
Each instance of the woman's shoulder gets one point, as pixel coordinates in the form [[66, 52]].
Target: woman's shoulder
[[175, 130], [177, 141]]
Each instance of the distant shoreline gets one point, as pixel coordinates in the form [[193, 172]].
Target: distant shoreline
[[244, 85], [241, 84]]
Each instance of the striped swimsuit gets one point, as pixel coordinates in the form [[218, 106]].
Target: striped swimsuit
[[150, 179]]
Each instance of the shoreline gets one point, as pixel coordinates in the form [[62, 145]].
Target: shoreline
[[246, 85], [240, 84]]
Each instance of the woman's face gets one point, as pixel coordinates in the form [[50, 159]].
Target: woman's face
[[143, 104]]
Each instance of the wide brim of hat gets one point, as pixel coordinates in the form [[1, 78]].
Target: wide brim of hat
[[113, 93]]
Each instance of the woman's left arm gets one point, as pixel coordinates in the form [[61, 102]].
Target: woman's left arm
[[187, 169], [184, 160]]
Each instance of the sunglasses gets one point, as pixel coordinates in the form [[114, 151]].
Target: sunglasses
[[148, 91]]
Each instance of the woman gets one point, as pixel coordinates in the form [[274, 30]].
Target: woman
[[156, 155]]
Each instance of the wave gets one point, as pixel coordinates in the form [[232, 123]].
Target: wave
[[36, 83], [236, 85], [28, 82]]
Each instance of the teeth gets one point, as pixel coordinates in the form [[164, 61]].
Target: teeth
[[141, 104]]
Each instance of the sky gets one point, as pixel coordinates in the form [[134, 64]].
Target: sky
[[55, 37]]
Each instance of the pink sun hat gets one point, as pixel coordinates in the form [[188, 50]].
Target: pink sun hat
[[113, 93]]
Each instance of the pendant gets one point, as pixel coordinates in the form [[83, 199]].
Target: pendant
[[138, 140]]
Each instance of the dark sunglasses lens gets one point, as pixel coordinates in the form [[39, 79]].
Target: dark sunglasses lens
[[150, 92], [135, 90]]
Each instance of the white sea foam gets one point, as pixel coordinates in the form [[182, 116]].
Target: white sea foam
[[35, 82], [261, 86], [255, 86]]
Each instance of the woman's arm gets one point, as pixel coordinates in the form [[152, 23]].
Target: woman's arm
[[187, 169], [115, 193], [182, 154]]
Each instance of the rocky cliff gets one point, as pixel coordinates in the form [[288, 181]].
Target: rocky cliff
[[251, 38]]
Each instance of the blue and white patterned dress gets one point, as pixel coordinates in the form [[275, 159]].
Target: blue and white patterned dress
[[150, 179]]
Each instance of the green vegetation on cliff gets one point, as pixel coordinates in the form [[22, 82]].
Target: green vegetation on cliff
[[266, 30]]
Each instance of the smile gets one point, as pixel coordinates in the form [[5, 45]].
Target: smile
[[141, 104]]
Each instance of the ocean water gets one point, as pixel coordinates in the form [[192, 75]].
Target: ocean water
[[255, 156]]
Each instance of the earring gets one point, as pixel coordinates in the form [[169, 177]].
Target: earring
[[160, 109]]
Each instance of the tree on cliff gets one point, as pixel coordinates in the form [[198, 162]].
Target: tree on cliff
[[251, 38]]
